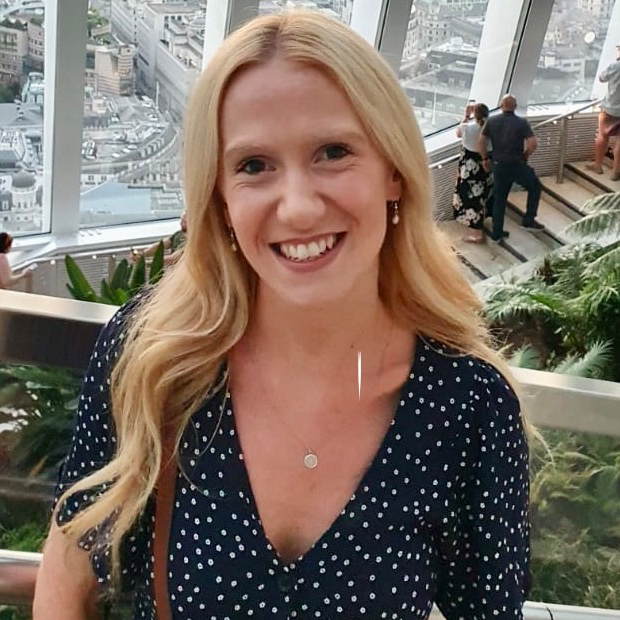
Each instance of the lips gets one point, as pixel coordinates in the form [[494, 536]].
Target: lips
[[307, 252]]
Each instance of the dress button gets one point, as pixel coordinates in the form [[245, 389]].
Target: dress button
[[285, 582]]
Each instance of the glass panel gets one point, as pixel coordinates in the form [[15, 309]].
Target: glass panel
[[341, 9], [576, 520], [142, 60], [439, 58], [21, 116], [571, 51]]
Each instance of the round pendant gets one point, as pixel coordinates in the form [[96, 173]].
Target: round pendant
[[311, 460]]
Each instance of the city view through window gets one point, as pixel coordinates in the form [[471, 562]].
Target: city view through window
[[143, 57]]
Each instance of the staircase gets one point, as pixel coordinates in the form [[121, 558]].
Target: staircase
[[560, 205]]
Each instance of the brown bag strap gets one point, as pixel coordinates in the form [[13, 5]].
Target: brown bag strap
[[163, 519]]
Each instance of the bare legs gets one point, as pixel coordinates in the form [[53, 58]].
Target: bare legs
[[600, 148], [615, 173]]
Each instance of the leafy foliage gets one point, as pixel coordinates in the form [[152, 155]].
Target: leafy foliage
[[602, 216], [575, 498], [568, 311], [125, 282], [42, 404]]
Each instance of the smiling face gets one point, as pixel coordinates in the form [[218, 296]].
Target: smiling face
[[305, 189]]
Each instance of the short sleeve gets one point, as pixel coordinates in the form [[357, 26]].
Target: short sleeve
[[93, 443], [484, 567], [527, 129]]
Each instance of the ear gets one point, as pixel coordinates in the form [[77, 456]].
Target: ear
[[221, 204], [394, 189]]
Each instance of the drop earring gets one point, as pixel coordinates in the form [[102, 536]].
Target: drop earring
[[233, 239], [396, 213]]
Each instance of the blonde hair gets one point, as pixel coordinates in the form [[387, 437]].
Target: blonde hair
[[178, 340]]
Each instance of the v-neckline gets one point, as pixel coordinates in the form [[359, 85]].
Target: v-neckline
[[362, 484]]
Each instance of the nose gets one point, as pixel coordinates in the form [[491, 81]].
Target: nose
[[300, 205]]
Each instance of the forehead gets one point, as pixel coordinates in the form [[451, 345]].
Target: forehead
[[284, 94]]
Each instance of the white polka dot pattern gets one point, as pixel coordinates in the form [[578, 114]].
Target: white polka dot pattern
[[440, 516]]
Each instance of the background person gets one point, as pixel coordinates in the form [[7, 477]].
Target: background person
[[473, 183], [513, 143], [311, 244], [173, 245], [7, 278], [609, 120]]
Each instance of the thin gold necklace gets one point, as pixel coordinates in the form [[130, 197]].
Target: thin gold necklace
[[311, 458]]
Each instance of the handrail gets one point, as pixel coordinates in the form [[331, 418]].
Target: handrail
[[440, 164], [18, 574], [552, 400], [559, 117]]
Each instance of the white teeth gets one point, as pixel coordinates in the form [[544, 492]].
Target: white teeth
[[301, 252]]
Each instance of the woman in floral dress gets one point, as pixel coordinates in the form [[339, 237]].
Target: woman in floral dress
[[473, 184]]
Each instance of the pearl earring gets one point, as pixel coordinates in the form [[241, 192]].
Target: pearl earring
[[396, 214], [233, 239]]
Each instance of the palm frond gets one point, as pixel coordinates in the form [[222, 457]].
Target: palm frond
[[592, 364], [596, 224], [517, 300], [609, 261], [525, 357], [602, 202]]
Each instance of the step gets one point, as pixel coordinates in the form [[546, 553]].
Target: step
[[526, 245], [570, 193], [485, 259], [602, 181], [583, 178], [552, 218]]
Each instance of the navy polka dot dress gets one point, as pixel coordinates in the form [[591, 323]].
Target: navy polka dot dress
[[441, 515]]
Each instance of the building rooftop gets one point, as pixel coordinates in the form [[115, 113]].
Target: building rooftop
[[117, 198], [175, 9]]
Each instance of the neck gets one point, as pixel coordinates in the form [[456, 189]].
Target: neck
[[300, 336]]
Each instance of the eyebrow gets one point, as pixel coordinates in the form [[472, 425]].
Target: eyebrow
[[237, 149]]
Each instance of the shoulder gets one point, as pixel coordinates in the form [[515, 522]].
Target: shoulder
[[466, 379], [525, 124], [472, 127], [491, 122], [112, 335]]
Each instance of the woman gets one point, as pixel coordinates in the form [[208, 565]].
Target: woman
[[473, 184], [314, 372], [7, 277]]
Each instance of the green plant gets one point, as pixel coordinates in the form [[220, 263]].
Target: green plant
[[26, 537], [568, 312], [42, 403], [575, 504], [125, 282]]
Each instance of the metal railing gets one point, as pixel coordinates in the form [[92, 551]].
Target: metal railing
[[35, 329], [562, 119]]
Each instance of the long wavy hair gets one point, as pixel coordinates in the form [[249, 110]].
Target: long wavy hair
[[179, 338]]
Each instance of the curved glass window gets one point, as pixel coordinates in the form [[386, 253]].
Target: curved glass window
[[571, 51], [342, 9], [21, 117], [142, 60], [439, 58]]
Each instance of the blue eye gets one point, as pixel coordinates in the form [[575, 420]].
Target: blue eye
[[251, 166], [336, 151]]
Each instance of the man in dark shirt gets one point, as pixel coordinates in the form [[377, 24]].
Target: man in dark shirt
[[513, 142]]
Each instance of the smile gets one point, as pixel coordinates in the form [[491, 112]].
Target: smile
[[306, 252]]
